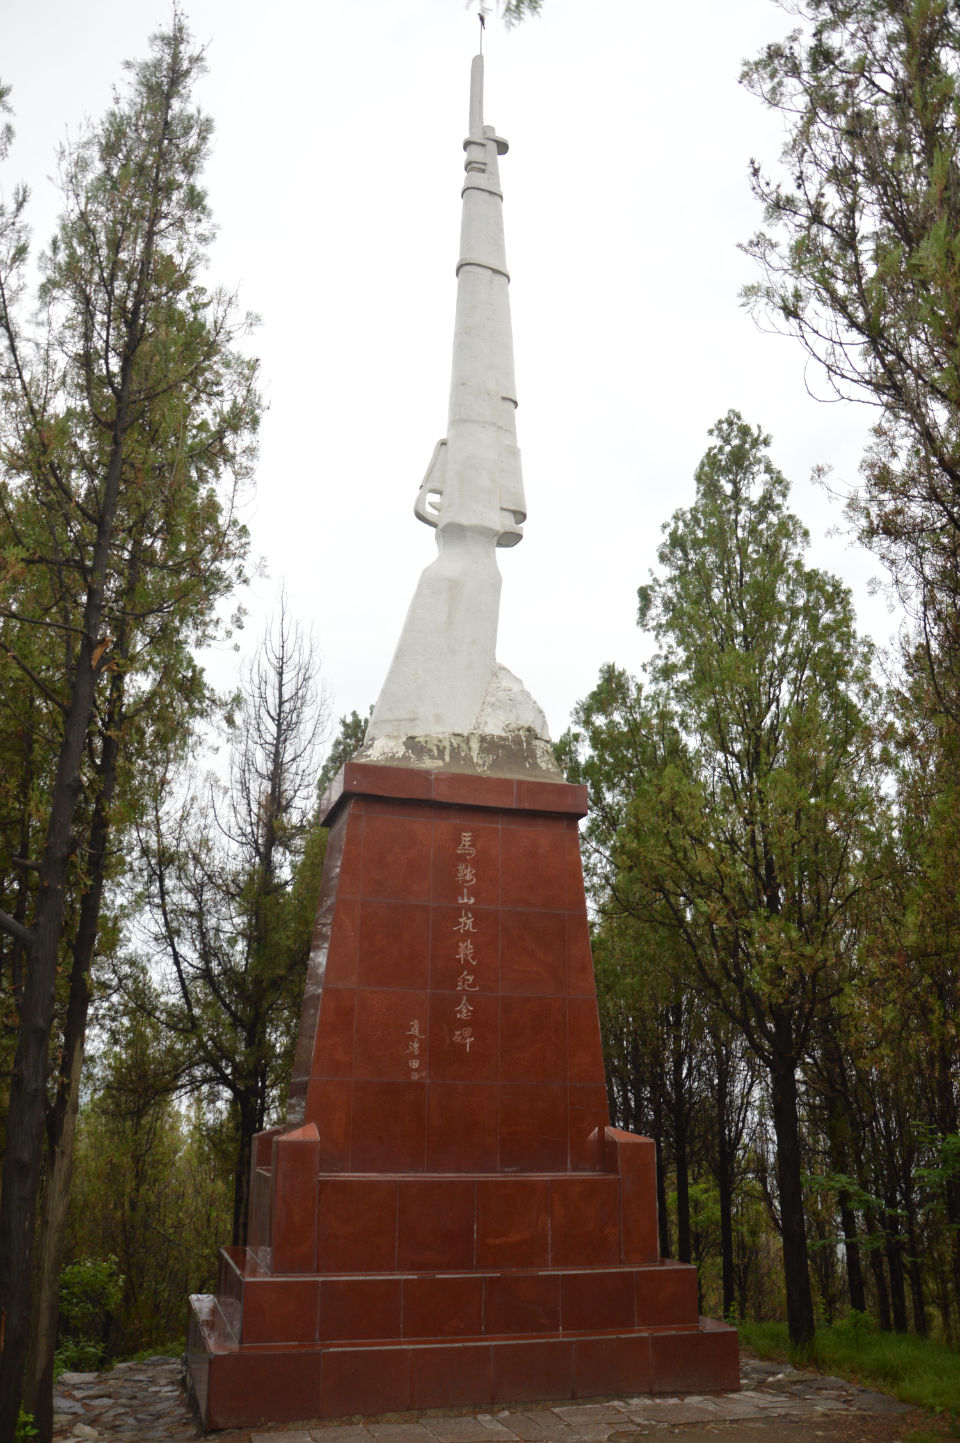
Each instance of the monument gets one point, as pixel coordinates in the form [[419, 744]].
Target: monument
[[447, 1217]]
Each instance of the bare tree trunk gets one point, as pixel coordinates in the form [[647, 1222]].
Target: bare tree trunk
[[945, 1304], [915, 1274], [725, 1190], [848, 1221], [786, 1125], [879, 1274], [952, 1198], [953, 1215], [663, 1220], [38, 1389], [679, 1119], [898, 1296], [726, 1154], [683, 1196], [18, 955], [241, 1177], [28, 1090], [62, 1117]]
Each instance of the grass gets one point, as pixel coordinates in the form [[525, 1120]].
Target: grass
[[919, 1371], [173, 1348], [82, 1357]]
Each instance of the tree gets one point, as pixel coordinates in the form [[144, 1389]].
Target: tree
[[127, 427], [346, 744], [915, 970], [740, 826], [229, 888], [147, 1188], [731, 1079], [651, 1029], [860, 263]]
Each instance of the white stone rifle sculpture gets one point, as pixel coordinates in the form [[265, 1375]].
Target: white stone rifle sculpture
[[446, 703]]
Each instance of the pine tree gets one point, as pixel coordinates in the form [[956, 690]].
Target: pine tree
[[127, 426]]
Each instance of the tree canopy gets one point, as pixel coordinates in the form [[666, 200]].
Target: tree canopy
[[733, 798], [859, 260]]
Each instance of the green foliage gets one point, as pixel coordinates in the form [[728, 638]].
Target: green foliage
[[128, 422], [946, 1168], [128, 415], [173, 1348], [181, 423], [861, 261], [768, 1340], [728, 800], [858, 1325], [346, 744], [89, 1289], [843, 1182], [6, 129], [90, 1293], [734, 798], [916, 1370], [149, 1191], [511, 12], [26, 1428]]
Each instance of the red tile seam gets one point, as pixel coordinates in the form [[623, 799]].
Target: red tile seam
[[396, 1232], [476, 1242], [623, 1251], [550, 1220]]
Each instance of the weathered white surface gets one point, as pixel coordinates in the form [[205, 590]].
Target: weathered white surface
[[474, 477], [445, 696]]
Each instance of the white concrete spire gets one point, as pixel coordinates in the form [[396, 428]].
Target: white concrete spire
[[445, 701], [474, 475]]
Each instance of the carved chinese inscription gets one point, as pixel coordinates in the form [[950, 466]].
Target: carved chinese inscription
[[415, 1040], [466, 880]]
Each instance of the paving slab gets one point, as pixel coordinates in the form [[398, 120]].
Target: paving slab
[[482, 1429], [731, 1406], [145, 1403], [297, 1435], [536, 1425], [880, 1403], [334, 1433], [680, 1413], [400, 1433]]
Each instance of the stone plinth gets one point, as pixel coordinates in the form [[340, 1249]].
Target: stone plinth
[[448, 1218]]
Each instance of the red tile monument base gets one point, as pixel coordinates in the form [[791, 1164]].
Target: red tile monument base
[[448, 1218]]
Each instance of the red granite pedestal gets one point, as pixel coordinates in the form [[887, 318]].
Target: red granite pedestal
[[448, 1218]]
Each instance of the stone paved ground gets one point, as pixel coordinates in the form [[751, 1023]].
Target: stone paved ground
[[145, 1403]]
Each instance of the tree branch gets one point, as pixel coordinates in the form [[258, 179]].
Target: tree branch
[[16, 930]]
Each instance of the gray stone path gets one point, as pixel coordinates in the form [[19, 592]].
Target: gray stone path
[[145, 1403]]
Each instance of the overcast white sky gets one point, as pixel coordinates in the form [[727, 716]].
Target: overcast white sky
[[335, 182]]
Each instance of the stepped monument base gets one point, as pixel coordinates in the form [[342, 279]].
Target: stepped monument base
[[448, 1219]]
